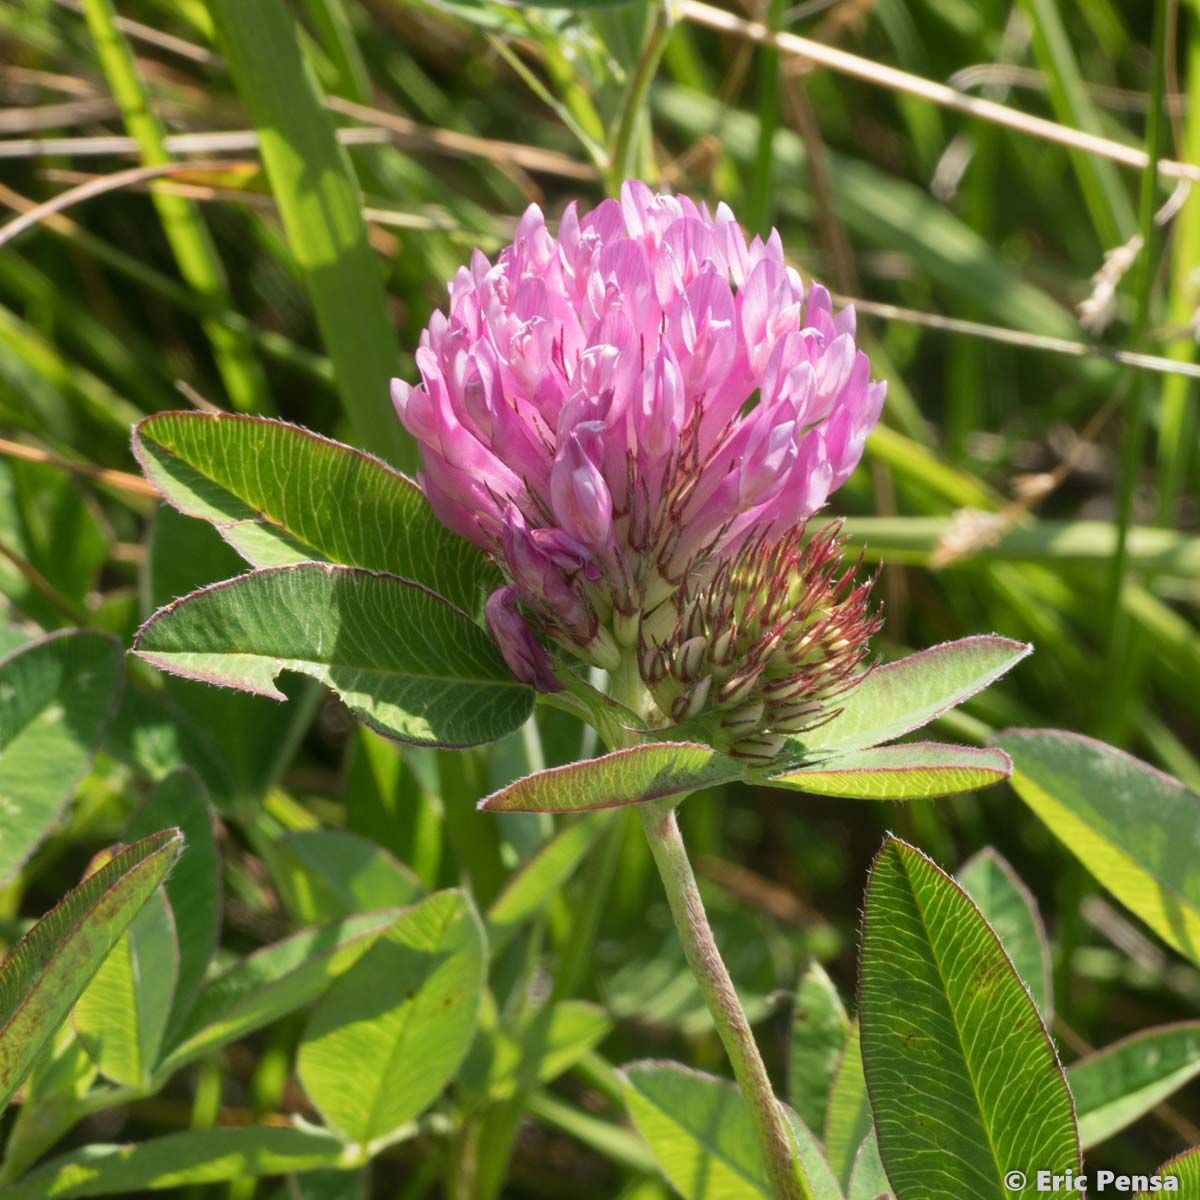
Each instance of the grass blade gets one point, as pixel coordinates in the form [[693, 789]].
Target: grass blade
[[181, 220], [315, 187], [1103, 192], [1179, 421]]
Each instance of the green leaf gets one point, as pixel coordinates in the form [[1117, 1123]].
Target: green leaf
[[247, 739], [617, 1143], [868, 1180], [121, 1018], [194, 886], [1115, 1086], [649, 772], [848, 1119], [280, 494], [195, 1157], [53, 1100], [272, 982], [314, 185], [819, 1030], [559, 1039], [325, 1185], [57, 697], [700, 1133], [902, 696], [389, 1036], [48, 968], [908, 771], [1009, 908], [328, 873], [411, 665], [391, 797], [537, 880], [1130, 825], [52, 523], [1185, 1168], [963, 1079]]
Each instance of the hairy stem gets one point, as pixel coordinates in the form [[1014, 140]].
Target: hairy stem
[[784, 1172]]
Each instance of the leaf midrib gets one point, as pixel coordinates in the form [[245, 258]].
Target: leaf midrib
[[264, 518], [958, 1032], [347, 666]]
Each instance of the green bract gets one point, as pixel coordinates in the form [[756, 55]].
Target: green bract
[[843, 757]]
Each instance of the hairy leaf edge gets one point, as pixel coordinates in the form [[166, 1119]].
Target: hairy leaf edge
[[829, 766], [492, 803], [169, 838], [140, 453]]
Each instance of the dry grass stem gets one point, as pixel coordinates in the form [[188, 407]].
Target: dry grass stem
[[118, 479], [936, 93], [1017, 337], [108, 183]]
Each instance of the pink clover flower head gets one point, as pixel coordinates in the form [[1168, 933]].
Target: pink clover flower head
[[614, 411], [522, 652]]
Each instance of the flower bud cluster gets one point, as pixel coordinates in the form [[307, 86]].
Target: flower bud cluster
[[765, 647]]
